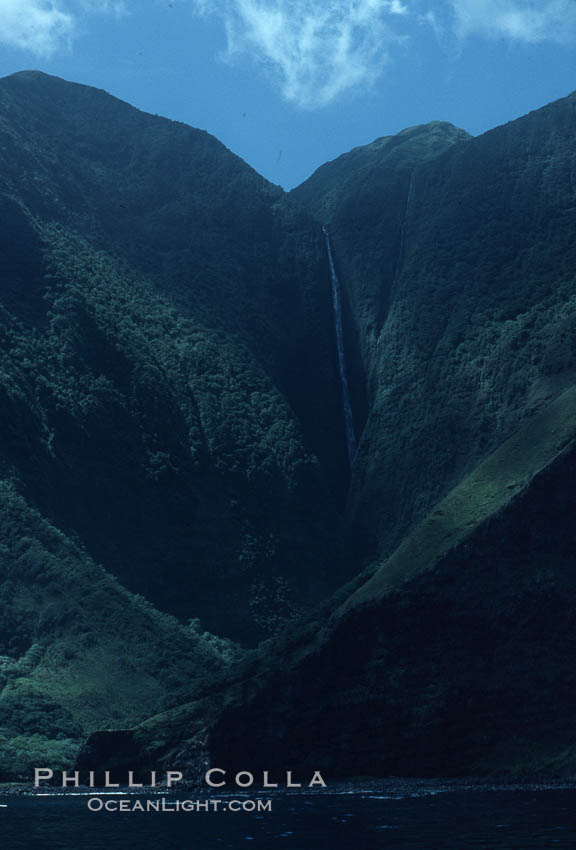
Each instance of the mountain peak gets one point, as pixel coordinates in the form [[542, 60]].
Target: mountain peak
[[384, 160], [37, 78]]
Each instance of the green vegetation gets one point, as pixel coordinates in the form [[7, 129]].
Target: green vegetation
[[175, 497], [504, 474], [456, 658], [458, 259], [164, 340], [456, 654], [79, 652], [169, 465]]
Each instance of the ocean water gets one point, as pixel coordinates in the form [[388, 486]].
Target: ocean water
[[483, 820]]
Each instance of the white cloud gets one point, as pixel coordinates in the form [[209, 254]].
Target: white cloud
[[36, 25], [317, 50], [529, 21], [44, 26]]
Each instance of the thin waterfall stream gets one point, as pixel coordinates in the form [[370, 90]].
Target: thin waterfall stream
[[344, 387]]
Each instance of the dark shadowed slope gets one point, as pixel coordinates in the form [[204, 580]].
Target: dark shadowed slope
[[458, 257], [171, 426], [169, 414], [457, 656], [170, 388], [454, 658]]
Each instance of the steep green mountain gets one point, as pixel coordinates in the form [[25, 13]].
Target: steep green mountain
[[454, 655], [172, 457], [169, 375], [363, 199], [454, 658], [174, 481], [457, 256]]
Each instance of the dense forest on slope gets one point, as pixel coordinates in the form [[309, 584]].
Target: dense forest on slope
[[169, 410], [459, 260], [173, 471], [169, 360]]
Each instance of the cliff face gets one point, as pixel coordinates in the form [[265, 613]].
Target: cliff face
[[169, 389], [172, 444], [364, 198], [457, 256]]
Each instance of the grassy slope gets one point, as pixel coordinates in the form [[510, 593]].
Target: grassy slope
[[78, 651], [502, 476], [479, 331]]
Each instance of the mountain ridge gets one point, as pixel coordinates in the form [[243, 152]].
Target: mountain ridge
[[172, 428], [157, 413]]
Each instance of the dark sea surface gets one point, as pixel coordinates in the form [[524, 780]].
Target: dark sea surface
[[424, 820]]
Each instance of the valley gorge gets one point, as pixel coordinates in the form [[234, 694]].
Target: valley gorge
[[289, 474]]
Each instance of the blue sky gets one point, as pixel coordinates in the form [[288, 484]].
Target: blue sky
[[290, 84]]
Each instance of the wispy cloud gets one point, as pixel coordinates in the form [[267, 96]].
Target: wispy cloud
[[42, 26], [34, 25], [529, 21], [318, 49], [315, 50]]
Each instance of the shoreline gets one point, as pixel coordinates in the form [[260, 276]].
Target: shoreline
[[389, 786]]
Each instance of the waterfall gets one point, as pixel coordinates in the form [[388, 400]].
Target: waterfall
[[344, 388], [404, 220]]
